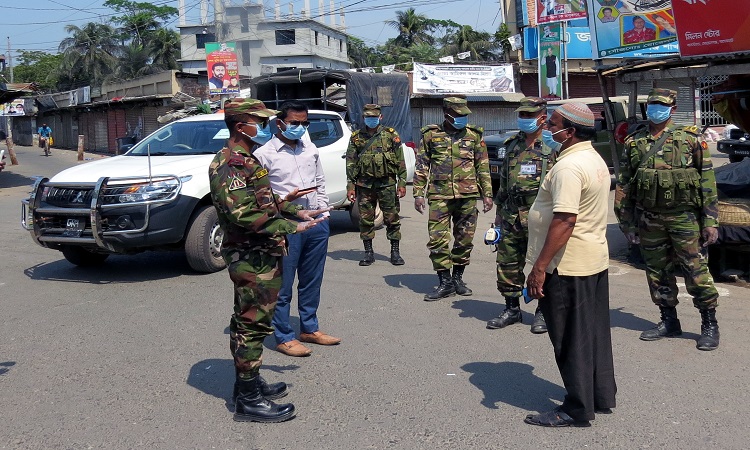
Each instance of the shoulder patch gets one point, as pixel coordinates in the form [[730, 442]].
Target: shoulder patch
[[692, 129], [261, 173], [428, 128], [355, 133], [704, 145], [235, 159], [237, 182], [390, 130], [475, 128], [396, 139]]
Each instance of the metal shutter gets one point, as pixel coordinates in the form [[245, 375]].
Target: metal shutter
[[685, 87]]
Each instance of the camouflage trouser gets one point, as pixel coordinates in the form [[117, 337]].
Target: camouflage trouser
[[670, 241], [463, 212], [367, 200], [511, 258], [257, 281]]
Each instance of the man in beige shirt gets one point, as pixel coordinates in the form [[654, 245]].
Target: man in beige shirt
[[568, 260]]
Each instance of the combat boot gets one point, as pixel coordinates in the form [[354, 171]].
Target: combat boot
[[709, 339], [461, 288], [511, 315], [271, 391], [396, 258], [444, 289], [668, 327], [539, 326], [369, 254], [251, 406]]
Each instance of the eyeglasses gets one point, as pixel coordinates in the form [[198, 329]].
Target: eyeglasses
[[296, 123]]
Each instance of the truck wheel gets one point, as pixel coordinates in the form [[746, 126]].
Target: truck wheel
[[354, 216], [203, 242], [735, 158], [82, 257]]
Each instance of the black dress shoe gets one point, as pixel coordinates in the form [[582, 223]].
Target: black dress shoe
[[555, 418], [603, 410]]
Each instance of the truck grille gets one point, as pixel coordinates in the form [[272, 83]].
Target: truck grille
[[69, 197]]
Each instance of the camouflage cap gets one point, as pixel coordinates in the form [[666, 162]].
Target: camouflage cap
[[666, 96], [532, 104], [251, 106], [457, 104], [372, 110]]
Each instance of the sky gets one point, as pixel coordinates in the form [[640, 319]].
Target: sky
[[40, 24]]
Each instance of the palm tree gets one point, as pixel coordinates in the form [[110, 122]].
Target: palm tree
[[412, 28], [91, 52], [164, 48], [466, 39]]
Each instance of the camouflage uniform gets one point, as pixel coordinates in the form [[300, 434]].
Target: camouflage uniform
[[375, 167], [452, 171]]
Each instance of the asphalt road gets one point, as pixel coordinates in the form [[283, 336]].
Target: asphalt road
[[134, 354]]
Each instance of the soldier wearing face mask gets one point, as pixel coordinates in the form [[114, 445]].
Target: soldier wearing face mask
[[526, 162], [666, 202]]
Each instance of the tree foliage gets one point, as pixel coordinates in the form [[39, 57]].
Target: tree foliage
[[37, 66]]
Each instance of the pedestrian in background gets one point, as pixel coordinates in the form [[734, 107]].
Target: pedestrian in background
[[666, 201], [452, 171], [525, 165], [249, 214], [376, 175], [568, 260]]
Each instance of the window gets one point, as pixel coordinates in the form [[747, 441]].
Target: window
[[281, 69], [316, 38], [329, 41], [245, 52], [341, 46], [285, 37], [244, 26], [201, 39]]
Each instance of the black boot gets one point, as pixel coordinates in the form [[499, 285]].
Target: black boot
[[251, 406], [445, 289], [271, 391], [461, 288], [668, 327], [539, 326], [709, 339], [511, 315], [396, 258], [369, 254]]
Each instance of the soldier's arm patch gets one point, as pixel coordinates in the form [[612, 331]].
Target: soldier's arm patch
[[261, 173], [704, 145], [237, 182], [397, 140], [482, 143]]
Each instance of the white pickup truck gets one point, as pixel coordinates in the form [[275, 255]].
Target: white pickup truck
[[156, 196]]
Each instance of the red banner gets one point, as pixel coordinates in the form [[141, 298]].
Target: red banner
[[710, 27]]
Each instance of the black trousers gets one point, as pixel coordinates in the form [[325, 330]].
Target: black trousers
[[577, 313]]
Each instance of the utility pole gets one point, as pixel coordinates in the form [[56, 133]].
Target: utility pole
[[9, 119]]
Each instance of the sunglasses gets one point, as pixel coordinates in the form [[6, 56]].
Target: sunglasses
[[296, 123]]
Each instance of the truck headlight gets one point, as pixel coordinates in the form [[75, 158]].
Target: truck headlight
[[141, 192]]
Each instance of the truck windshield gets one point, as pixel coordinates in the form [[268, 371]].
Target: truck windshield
[[184, 138]]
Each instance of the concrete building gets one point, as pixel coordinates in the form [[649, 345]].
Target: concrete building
[[267, 42]]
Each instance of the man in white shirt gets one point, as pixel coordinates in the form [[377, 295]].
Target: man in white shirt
[[568, 260], [293, 162]]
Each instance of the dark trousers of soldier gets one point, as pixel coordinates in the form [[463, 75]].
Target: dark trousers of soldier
[[463, 213], [257, 280], [386, 197], [511, 259], [577, 313], [670, 242]]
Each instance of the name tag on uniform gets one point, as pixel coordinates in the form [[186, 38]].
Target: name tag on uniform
[[261, 173], [528, 169]]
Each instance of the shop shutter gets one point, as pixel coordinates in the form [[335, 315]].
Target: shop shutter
[[685, 113], [150, 124]]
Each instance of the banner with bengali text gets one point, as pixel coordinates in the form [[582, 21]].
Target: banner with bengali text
[[221, 63], [462, 79], [712, 27]]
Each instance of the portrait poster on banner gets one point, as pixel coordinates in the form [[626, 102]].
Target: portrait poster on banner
[[559, 10], [14, 108], [712, 28], [550, 81], [221, 63], [624, 28], [458, 79]]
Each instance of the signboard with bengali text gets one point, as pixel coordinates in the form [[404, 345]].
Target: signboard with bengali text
[[550, 81], [560, 10], [711, 27], [221, 63], [460, 79]]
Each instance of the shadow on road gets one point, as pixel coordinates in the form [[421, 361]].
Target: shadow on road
[[10, 179], [484, 310], [356, 255], [514, 384], [421, 283], [147, 266], [5, 366]]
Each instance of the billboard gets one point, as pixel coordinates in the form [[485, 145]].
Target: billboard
[[221, 62], [14, 108], [559, 10], [710, 27], [550, 81], [457, 79], [624, 28]]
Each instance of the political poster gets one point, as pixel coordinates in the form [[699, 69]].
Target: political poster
[[14, 108], [458, 79], [560, 10], [221, 62], [626, 27], [712, 27], [550, 81]]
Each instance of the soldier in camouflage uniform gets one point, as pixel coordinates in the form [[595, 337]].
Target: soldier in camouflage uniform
[[526, 162], [376, 174], [453, 172], [666, 201], [249, 214]]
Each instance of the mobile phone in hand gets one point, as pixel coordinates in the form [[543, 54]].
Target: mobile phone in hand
[[309, 189], [2, 154]]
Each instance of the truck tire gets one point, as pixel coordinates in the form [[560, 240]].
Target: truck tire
[[82, 257], [203, 242], [354, 216]]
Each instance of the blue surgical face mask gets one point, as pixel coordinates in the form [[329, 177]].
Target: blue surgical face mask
[[372, 122], [549, 140], [262, 134], [657, 113], [293, 132], [528, 125], [460, 122]]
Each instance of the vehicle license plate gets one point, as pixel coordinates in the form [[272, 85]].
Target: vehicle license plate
[[742, 152], [74, 227]]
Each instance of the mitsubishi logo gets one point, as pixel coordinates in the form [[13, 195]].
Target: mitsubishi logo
[[78, 198]]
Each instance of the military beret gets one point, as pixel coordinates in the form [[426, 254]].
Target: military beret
[[250, 106], [661, 95], [532, 104], [457, 104], [578, 113], [372, 110]]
